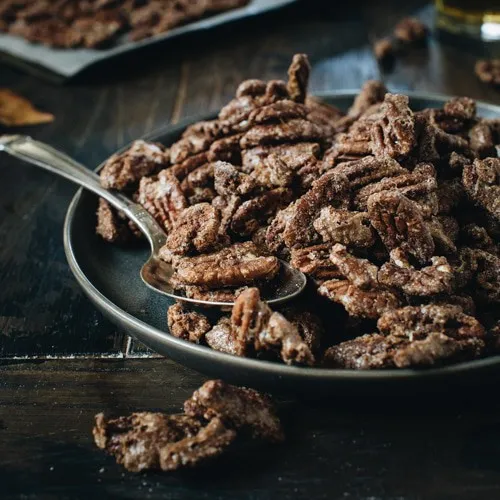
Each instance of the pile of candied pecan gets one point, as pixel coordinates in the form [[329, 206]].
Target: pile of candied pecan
[[392, 213], [215, 415], [93, 23]]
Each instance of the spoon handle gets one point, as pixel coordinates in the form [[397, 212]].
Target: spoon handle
[[44, 156]]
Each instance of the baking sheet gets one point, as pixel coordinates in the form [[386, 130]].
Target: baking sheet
[[69, 62]]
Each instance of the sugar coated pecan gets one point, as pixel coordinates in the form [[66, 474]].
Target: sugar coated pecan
[[345, 227], [124, 170], [399, 223], [162, 197], [237, 407], [197, 229], [416, 322], [482, 183], [315, 261], [298, 77], [357, 302], [149, 440], [393, 134], [233, 266], [187, 325]]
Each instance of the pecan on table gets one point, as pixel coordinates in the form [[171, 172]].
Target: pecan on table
[[237, 407]]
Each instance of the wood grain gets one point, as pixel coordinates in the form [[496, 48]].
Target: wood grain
[[430, 446]]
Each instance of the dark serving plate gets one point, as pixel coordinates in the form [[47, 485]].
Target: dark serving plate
[[109, 275]]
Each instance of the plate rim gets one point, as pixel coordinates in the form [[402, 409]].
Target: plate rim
[[134, 324]]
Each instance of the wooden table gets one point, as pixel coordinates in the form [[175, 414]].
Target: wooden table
[[62, 362]]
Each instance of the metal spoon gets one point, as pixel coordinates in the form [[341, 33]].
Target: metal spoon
[[155, 273]]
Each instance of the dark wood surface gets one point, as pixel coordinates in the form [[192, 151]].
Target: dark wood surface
[[428, 447]]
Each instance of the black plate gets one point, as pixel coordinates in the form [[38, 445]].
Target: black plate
[[109, 275]]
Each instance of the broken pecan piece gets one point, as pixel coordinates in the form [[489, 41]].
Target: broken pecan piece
[[149, 440], [187, 325], [237, 407], [315, 261]]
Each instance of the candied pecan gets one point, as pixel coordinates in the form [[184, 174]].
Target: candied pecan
[[183, 169], [195, 139], [345, 227], [462, 108], [488, 71], [197, 229], [371, 93], [277, 112], [251, 214], [419, 185], [430, 280], [450, 193], [296, 130], [393, 133], [282, 335], [482, 183], [359, 303], [110, 226], [148, 440], [411, 30], [466, 302], [200, 177], [187, 325], [482, 140], [162, 197], [368, 170], [315, 261], [298, 77], [374, 351], [124, 170], [237, 407], [234, 266], [353, 144], [226, 149], [487, 278], [248, 318], [209, 442], [229, 181], [309, 326], [330, 189], [360, 272], [294, 156], [273, 172], [399, 223], [220, 338], [416, 322]]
